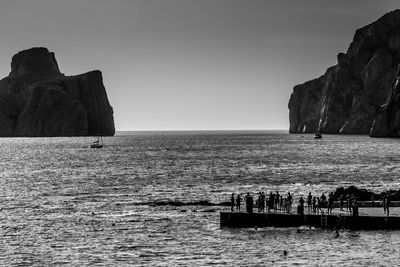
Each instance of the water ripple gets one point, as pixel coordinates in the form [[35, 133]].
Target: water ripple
[[139, 201]]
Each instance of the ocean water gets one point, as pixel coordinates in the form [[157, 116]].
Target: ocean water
[[137, 201]]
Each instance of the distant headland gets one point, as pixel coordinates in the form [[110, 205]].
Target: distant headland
[[359, 95], [37, 100]]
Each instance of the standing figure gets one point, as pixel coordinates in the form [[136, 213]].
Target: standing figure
[[249, 203], [354, 206], [387, 205], [348, 202], [301, 201], [314, 204], [276, 207], [271, 200], [284, 207], [330, 203], [300, 207], [384, 204], [262, 201], [259, 202], [238, 200], [324, 203], [309, 202], [232, 201], [290, 201]]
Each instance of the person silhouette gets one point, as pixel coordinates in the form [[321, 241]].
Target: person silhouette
[[249, 203], [238, 200], [232, 201]]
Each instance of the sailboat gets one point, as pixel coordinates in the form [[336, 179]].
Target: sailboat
[[317, 136], [98, 143]]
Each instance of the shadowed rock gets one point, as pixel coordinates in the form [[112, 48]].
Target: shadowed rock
[[36, 99], [366, 195], [387, 122], [348, 97]]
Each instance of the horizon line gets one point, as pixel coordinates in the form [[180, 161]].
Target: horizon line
[[199, 130]]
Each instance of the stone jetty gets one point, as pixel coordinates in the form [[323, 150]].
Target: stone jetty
[[368, 218]]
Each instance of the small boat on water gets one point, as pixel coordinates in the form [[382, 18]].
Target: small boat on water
[[97, 144], [317, 136]]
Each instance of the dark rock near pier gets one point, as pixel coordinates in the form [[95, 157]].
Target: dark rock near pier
[[364, 194], [355, 92], [36, 99], [360, 194]]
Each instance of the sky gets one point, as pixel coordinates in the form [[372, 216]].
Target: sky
[[191, 64]]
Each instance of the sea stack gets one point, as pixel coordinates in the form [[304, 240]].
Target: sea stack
[[358, 95], [36, 99]]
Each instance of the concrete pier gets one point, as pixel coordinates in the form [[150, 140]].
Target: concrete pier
[[362, 222]]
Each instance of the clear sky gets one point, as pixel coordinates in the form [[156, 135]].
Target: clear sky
[[191, 64]]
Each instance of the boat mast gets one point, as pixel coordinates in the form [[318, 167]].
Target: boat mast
[[99, 135]]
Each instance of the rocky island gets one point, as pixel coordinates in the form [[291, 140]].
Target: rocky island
[[36, 99], [360, 94]]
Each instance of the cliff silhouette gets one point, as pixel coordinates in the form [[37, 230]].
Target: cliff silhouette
[[36, 99], [358, 95]]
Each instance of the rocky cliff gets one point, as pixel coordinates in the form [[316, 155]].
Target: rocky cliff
[[387, 122], [351, 95], [36, 99]]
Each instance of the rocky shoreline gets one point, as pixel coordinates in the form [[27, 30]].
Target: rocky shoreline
[[366, 195]]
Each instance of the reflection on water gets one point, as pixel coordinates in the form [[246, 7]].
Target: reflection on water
[[64, 204]]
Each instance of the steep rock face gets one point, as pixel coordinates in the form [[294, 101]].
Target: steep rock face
[[36, 99], [348, 97], [304, 106], [387, 122]]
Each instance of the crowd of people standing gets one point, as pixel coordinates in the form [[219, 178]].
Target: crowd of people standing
[[274, 201], [277, 202]]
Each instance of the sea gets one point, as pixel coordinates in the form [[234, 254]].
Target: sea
[[153, 198]]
